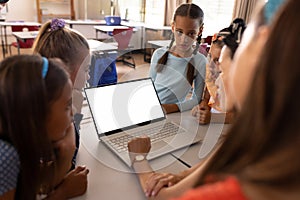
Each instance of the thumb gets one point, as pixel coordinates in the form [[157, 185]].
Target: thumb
[[203, 106], [80, 168]]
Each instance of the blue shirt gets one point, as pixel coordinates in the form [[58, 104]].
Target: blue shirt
[[9, 167], [171, 83]]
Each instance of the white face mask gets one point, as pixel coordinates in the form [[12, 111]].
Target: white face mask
[[220, 100]]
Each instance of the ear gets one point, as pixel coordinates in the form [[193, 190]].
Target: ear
[[173, 27]]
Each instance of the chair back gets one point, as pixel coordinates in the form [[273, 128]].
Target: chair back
[[122, 37], [29, 42], [112, 20]]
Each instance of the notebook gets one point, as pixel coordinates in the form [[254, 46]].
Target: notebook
[[130, 109]]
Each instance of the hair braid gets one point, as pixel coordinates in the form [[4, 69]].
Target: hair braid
[[163, 60], [191, 69]]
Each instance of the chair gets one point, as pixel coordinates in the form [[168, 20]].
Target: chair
[[122, 37], [19, 43], [112, 21]]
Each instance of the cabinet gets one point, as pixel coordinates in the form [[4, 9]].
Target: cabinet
[[48, 9]]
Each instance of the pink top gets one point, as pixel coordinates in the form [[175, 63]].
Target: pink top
[[222, 190]]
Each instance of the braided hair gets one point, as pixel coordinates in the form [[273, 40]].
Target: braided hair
[[194, 12], [233, 34]]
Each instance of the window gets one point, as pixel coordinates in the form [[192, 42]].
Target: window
[[155, 12], [132, 10], [217, 14]]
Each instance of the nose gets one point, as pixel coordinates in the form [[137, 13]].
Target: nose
[[87, 76]]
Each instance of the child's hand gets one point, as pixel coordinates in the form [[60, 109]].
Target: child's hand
[[195, 110], [202, 113], [64, 150], [159, 180], [65, 147], [74, 184], [138, 146]]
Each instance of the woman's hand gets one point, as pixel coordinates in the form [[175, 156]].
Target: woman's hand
[[159, 180]]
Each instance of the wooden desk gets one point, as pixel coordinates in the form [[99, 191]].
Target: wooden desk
[[3, 32]]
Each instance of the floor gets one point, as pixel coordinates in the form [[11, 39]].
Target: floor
[[124, 71]]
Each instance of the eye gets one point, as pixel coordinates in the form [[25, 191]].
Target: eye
[[87, 69], [216, 61], [192, 34], [179, 33]]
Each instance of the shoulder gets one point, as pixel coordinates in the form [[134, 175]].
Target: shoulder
[[9, 166], [160, 51], [222, 190], [7, 152], [199, 57]]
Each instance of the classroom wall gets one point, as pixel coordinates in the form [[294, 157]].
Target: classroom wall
[[21, 10], [26, 9]]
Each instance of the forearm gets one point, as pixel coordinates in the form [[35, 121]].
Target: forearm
[[143, 170], [170, 108], [226, 118], [57, 194], [62, 168]]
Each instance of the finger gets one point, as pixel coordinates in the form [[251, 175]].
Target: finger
[[195, 110], [160, 184], [152, 182], [84, 172], [203, 106], [203, 112]]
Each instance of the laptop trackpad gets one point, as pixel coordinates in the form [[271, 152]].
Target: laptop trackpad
[[158, 145], [159, 148]]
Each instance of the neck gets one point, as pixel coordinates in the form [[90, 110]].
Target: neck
[[182, 54]]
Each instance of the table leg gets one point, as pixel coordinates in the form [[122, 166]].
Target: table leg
[[2, 43], [5, 37]]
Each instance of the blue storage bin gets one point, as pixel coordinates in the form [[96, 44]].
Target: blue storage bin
[[112, 20], [103, 68]]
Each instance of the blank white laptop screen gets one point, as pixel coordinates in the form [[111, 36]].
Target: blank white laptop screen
[[124, 105]]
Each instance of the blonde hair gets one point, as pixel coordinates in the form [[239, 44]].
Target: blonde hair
[[63, 43]]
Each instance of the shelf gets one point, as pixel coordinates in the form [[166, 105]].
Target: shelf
[[46, 9]]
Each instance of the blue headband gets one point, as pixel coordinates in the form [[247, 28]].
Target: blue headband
[[45, 67], [271, 8]]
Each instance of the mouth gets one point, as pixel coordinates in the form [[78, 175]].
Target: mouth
[[183, 46]]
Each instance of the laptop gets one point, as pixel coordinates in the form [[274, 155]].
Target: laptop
[[131, 109]]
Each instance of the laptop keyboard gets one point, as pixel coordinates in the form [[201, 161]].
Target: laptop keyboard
[[155, 133]]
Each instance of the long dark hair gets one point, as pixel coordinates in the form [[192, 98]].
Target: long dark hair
[[194, 12], [25, 98], [233, 34], [263, 144]]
